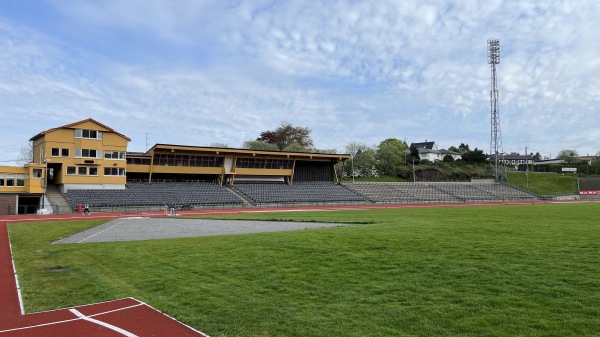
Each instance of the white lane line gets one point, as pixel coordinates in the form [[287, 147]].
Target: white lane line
[[173, 319], [12, 260], [78, 318], [104, 324], [100, 232], [41, 325], [115, 310]]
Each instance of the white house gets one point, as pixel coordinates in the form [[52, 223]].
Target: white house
[[430, 151]]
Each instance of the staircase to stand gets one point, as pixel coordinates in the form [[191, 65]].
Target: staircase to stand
[[57, 200]]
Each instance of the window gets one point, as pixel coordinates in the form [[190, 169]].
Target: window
[[91, 134], [37, 173], [88, 153], [93, 171], [10, 180], [114, 155], [20, 180], [2, 176], [59, 152], [82, 170], [71, 170], [114, 171]]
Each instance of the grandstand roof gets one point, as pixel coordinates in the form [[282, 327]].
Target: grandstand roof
[[217, 150]]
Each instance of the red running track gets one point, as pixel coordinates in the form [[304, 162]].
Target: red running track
[[125, 317]]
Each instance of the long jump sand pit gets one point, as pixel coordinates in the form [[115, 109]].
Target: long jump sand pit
[[136, 229]]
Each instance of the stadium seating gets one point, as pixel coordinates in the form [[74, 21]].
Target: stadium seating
[[299, 192], [173, 194], [437, 192], [260, 193]]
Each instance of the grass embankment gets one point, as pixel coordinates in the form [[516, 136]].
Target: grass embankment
[[527, 270], [544, 183]]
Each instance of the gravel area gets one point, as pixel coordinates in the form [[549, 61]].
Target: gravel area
[[135, 229]]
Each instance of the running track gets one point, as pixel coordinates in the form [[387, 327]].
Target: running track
[[125, 317]]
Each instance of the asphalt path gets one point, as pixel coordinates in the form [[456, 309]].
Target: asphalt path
[[136, 229]]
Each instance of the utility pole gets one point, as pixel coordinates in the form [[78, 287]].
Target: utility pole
[[526, 168]]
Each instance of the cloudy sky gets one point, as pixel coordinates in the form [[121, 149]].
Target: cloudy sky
[[196, 72]]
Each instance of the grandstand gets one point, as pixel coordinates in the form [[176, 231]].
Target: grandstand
[[438, 192], [88, 162], [158, 194], [300, 192]]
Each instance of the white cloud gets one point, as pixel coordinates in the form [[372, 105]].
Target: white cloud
[[196, 72]]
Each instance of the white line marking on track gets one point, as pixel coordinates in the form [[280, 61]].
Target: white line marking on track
[[162, 313], [100, 232], [12, 260], [80, 318], [119, 309], [41, 325], [104, 324]]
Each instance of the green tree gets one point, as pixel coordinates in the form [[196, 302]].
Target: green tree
[[390, 155], [463, 148], [259, 145], [414, 154], [287, 134], [448, 159], [474, 157], [220, 145], [295, 147], [569, 156]]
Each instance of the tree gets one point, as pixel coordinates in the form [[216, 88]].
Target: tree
[[364, 163], [390, 155], [295, 147], [363, 160], [448, 159], [569, 156], [25, 155], [463, 148], [474, 157], [287, 134], [220, 145], [414, 154], [259, 145], [537, 156]]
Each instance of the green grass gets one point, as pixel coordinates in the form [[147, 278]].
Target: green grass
[[544, 183], [511, 270]]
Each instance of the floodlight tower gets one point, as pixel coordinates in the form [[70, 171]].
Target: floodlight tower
[[496, 138]]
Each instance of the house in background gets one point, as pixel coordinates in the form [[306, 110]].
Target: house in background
[[430, 151], [515, 159]]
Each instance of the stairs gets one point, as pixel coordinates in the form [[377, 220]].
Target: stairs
[[57, 200]]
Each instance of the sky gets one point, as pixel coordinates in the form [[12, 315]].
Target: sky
[[194, 72]]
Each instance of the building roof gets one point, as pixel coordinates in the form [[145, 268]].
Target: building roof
[[217, 150], [72, 125], [423, 145]]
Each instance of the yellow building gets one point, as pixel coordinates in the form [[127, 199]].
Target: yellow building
[[84, 154], [90, 155]]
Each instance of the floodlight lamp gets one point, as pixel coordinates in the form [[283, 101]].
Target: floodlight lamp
[[493, 51]]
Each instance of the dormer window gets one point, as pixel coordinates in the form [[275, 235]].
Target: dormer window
[[90, 134]]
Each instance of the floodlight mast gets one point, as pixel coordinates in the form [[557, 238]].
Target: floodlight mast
[[496, 138]]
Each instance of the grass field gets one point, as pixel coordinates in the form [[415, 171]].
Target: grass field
[[510, 270], [544, 183]]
